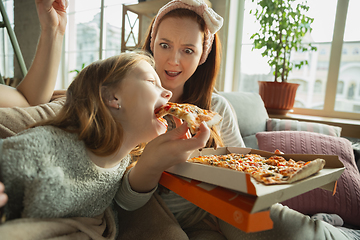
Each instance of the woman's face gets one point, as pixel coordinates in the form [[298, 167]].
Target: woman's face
[[140, 93], [178, 47]]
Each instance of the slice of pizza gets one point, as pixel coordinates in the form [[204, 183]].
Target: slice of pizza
[[191, 114]]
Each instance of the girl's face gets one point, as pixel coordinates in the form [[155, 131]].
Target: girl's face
[[178, 47], [140, 93]]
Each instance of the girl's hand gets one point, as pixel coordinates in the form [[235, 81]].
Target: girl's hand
[[3, 196], [163, 152], [178, 123], [52, 14]]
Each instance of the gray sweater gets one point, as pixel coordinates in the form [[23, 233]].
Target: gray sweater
[[47, 173]]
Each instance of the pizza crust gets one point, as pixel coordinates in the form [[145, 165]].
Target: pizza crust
[[309, 169]]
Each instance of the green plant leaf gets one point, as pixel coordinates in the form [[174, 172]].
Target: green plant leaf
[[284, 24]]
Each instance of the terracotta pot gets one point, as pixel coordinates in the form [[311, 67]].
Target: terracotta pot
[[278, 97]]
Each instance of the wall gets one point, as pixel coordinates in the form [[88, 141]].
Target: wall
[[27, 31]]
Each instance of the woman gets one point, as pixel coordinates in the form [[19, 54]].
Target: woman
[[38, 85], [187, 61], [74, 165], [184, 42], [186, 49]]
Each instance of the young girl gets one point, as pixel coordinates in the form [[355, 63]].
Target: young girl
[[75, 164]]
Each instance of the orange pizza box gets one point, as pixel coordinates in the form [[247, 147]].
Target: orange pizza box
[[240, 194], [228, 205]]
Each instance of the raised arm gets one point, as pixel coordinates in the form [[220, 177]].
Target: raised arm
[[38, 85]]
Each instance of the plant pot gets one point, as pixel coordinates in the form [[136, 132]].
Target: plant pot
[[278, 97]]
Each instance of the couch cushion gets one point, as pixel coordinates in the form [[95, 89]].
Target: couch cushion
[[346, 201], [251, 114], [274, 124], [16, 119]]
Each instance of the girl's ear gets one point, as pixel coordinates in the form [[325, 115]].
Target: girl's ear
[[109, 98]]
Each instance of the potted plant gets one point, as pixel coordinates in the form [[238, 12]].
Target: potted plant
[[283, 25]]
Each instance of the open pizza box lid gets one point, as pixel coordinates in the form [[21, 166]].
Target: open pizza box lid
[[264, 195]]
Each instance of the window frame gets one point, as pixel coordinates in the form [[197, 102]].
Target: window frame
[[232, 74]]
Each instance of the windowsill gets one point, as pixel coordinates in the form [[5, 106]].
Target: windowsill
[[350, 128]]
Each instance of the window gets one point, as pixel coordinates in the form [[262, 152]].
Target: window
[[344, 51], [318, 86], [335, 59], [340, 87], [6, 49], [355, 51], [350, 64], [93, 32], [351, 91]]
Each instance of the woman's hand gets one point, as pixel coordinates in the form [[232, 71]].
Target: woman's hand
[[3, 196], [52, 15], [163, 152]]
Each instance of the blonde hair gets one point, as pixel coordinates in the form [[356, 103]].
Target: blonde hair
[[85, 112]]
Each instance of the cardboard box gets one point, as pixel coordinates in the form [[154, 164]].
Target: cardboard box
[[236, 197], [230, 206]]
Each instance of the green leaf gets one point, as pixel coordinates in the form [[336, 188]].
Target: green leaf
[[283, 27]]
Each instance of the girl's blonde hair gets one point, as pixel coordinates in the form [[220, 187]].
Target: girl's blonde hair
[[85, 112]]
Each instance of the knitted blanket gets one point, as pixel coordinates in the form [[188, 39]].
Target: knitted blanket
[[102, 227], [14, 120]]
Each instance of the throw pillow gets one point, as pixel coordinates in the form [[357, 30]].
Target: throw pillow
[[274, 124], [346, 201]]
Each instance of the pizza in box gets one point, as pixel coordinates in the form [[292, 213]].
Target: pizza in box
[[269, 171]]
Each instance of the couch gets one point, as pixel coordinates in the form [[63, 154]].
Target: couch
[[259, 131], [253, 118], [251, 115]]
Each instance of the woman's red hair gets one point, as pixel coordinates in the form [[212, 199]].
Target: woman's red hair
[[199, 87]]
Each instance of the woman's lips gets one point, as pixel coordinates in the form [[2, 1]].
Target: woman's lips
[[172, 73]]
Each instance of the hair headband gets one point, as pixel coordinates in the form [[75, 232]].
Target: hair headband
[[213, 21]]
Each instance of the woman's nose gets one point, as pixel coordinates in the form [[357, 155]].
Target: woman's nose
[[174, 58]]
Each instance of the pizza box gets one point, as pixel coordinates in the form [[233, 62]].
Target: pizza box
[[229, 194], [228, 205]]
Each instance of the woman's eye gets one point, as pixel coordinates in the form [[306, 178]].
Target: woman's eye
[[189, 51], [164, 45]]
